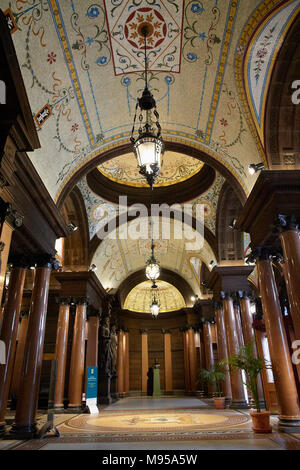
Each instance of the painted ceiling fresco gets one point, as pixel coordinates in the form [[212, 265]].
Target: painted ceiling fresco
[[121, 254], [82, 67], [175, 169], [140, 297]]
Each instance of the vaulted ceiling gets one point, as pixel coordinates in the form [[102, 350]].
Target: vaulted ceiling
[[210, 65]]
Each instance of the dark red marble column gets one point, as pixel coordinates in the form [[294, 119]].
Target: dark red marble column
[[249, 337], [120, 363], [236, 380], [222, 349], [209, 354], [24, 426], [288, 400], [77, 357], [290, 241], [61, 351], [21, 341], [8, 335]]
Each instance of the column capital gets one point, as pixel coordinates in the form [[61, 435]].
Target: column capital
[[24, 313], [265, 253], [242, 294], [286, 222], [227, 295], [218, 305], [45, 260], [63, 300], [144, 331], [82, 301], [10, 215], [165, 332]]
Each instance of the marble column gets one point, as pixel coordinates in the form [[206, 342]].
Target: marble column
[[77, 357], [145, 362], [187, 378], [8, 334], [238, 323], [21, 341], [249, 337], [120, 363], [290, 241], [288, 400], [126, 363], [24, 426], [93, 324], [209, 353], [11, 221], [192, 359], [236, 380], [61, 351], [168, 361], [222, 349]]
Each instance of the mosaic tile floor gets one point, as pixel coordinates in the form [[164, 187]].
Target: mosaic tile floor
[[164, 424]]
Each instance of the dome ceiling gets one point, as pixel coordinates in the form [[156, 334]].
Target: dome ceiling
[[176, 169], [140, 297], [82, 68]]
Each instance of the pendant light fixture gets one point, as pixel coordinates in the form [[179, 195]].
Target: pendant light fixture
[[148, 147], [152, 270], [155, 305]]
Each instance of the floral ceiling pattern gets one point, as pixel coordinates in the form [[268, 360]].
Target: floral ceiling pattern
[[82, 68]]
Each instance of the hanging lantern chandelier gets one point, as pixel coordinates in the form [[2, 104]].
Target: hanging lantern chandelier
[[152, 266], [155, 305], [148, 147], [152, 269]]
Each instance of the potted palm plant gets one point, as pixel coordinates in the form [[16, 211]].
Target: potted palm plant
[[215, 375], [247, 360]]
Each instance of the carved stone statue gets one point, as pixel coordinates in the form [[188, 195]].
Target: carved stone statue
[[105, 352], [113, 349]]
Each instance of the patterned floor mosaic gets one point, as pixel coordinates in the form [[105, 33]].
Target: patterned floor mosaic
[[152, 421]]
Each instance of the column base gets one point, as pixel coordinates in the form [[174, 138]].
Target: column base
[[75, 408], [22, 432], [289, 425], [228, 401], [239, 405]]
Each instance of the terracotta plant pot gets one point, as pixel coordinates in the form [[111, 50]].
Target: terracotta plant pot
[[219, 403], [261, 421]]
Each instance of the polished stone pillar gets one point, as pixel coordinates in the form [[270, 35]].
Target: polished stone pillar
[[249, 337], [145, 362], [238, 322], [168, 361], [126, 363], [120, 363], [236, 380], [11, 221], [8, 334], [192, 359], [290, 241], [187, 378], [222, 350], [61, 351], [21, 341], [93, 323], [25, 426], [77, 357], [209, 353], [288, 400]]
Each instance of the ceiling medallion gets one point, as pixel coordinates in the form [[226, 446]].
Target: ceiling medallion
[[148, 147]]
